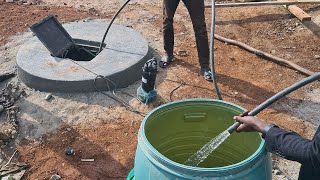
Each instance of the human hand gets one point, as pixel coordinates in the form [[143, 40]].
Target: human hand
[[250, 123]]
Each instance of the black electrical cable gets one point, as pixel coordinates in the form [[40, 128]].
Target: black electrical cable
[[214, 79], [114, 96], [111, 22]]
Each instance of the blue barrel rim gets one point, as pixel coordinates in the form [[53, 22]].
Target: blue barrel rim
[[151, 151], [130, 175]]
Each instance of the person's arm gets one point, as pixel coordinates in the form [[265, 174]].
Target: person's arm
[[292, 146], [286, 144]]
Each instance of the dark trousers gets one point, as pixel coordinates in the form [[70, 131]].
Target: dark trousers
[[196, 11]]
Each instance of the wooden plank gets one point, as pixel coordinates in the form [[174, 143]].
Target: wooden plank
[[299, 13], [265, 3]]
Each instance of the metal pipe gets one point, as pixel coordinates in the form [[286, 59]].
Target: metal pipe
[[214, 74], [267, 3]]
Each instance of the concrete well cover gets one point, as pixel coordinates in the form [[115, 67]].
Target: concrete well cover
[[120, 61]]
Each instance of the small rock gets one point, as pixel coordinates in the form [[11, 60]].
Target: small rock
[[70, 152], [68, 129], [48, 97], [1, 108], [87, 19], [273, 51], [55, 177], [232, 58], [9, 1], [277, 172], [288, 56], [236, 93], [182, 53], [317, 56], [290, 29]]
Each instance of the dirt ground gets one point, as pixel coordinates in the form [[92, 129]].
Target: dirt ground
[[98, 128]]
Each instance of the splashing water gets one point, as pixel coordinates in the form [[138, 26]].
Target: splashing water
[[207, 149]]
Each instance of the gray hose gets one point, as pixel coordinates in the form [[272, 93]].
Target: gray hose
[[276, 97], [214, 75]]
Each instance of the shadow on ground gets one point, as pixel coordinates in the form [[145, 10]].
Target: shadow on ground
[[50, 153]]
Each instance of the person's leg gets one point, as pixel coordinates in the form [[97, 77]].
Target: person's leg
[[169, 9], [196, 11]]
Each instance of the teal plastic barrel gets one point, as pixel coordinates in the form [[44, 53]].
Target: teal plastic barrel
[[171, 133]]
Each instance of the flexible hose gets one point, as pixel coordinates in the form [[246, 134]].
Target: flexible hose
[[214, 75], [214, 79], [268, 102], [111, 22]]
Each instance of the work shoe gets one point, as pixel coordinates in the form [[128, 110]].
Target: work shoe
[[206, 73], [166, 60]]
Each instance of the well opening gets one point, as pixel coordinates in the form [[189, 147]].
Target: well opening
[[82, 50]]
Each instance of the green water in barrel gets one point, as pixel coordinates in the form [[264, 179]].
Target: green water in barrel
[[179, 132]]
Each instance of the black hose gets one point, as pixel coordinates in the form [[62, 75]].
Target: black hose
[[295, 86], [214, 79], [111, 22], [214, 75]]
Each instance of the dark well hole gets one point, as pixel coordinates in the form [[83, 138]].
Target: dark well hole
[[82, 50]]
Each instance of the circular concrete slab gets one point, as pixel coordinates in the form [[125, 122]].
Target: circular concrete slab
[[120, 61]]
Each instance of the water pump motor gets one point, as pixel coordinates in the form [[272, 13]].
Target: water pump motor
[[146, 92]]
